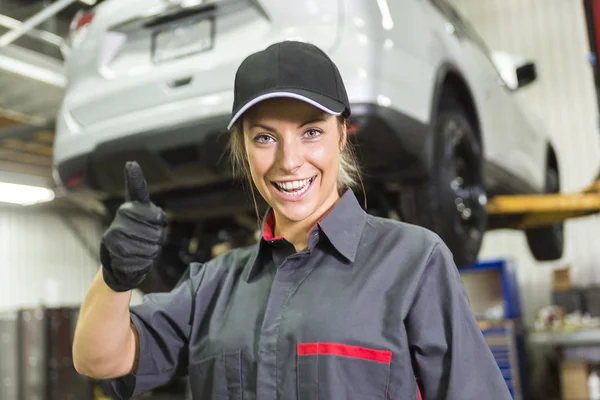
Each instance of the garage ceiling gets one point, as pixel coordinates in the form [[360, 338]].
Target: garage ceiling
[[32, 84]]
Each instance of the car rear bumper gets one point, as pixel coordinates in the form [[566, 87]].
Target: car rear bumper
[[73, 139], [389, 145], [187, 154]]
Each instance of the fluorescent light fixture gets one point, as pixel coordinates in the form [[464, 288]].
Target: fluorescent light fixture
[[191, 3], [24, 194]]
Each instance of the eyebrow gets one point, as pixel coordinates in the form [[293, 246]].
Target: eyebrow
[[263, 126]]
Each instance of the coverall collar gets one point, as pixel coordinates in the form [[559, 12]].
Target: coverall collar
[[342, 225]]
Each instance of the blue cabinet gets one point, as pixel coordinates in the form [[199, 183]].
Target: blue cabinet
[[495, 300]]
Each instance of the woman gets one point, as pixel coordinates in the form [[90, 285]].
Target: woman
[[331, 303]]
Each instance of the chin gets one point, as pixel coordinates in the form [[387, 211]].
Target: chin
[[295, 212]]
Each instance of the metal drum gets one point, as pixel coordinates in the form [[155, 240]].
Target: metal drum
[[33, 354], [64, 383], [9, 358]]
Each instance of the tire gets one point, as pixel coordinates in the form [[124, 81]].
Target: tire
[[452, 201], [547, 243]]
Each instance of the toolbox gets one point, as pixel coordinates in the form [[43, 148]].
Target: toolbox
[[494, 297]]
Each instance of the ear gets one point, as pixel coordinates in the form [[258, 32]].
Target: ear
[[343, 135]]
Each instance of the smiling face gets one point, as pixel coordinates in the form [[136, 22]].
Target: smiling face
[[293, 152]]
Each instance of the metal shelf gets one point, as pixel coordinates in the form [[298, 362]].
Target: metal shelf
[[583, 337]]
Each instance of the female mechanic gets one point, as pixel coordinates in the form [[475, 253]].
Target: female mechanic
[[331, 303]]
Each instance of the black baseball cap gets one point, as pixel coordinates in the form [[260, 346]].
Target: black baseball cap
[[289, 69]]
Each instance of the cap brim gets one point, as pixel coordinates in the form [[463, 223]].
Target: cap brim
[[327, 104]]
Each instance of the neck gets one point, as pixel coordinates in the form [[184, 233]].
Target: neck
[[296, 232]]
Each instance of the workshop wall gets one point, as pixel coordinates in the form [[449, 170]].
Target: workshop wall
[[553, 33], [46, 257]]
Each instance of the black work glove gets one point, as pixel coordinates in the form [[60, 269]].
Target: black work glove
[[135, 237]]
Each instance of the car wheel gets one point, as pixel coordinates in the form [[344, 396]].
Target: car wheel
[[547, 243], [452, 201]]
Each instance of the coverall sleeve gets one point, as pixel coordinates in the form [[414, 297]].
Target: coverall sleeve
[[163, 322], [451, 359]]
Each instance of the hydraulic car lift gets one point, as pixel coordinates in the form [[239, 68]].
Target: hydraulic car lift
[[530, 211]]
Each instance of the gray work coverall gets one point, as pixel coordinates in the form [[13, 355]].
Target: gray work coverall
[[373, 309]]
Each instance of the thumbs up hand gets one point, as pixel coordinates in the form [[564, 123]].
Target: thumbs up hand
[[135, 237]]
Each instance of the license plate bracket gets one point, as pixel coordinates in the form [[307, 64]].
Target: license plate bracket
[[183, 39]]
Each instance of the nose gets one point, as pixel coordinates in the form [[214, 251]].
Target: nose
[[290, 155]]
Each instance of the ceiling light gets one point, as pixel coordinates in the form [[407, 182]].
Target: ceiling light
[[24, 194]]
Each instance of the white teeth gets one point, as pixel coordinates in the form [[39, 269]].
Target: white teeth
[[294, 186]]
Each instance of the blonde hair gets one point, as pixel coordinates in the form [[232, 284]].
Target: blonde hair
[[349, 173]]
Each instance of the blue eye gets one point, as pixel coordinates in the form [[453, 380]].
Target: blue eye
[[313, 133], [262, 138]]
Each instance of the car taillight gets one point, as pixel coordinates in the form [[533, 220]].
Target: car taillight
[[81, 20], [78, 26]]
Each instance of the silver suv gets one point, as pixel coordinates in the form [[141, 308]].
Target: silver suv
[[435, 118]]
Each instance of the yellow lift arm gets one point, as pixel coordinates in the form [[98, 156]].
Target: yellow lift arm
[[530, 211]]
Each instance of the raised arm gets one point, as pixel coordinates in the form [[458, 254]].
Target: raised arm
[[106, 341]]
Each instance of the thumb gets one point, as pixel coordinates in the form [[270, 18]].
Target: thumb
[[136, 188]]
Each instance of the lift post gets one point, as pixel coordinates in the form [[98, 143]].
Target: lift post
[[531, 211]]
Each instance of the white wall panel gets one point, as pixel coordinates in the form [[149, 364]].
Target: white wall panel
[[42, 261], [553, 33]]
